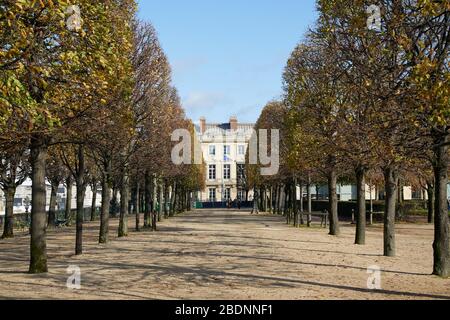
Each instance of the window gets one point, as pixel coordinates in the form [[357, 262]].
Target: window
[[241, 194], [227, 171], [226, 153], [212, 150], [241, 172], [241, 150], [227, 194], [212, 194], [212, 172]]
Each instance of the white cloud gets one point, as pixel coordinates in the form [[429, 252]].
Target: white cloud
[[204, 100]]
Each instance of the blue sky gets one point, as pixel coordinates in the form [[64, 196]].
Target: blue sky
[[228, 56]]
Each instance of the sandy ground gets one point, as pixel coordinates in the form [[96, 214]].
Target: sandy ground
[[226, 255]]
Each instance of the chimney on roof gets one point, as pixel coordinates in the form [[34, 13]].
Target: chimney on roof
[[233, 123], [202, 125]]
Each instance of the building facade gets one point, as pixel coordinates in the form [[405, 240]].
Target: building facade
[[224, 147], [349, 193], [22, 198]]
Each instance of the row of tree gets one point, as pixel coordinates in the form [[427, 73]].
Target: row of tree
[[86, 99], [368, 106]]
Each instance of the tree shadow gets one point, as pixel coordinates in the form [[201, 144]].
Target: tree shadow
[[190, 274], [295, 262]]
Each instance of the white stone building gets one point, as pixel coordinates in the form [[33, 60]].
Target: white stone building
[[24, 191], [224, 147], [349, 193]]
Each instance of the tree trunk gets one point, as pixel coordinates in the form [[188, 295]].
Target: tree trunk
[[333, 204], [308, 190], [400, 209], [154, 214], [106, 195], [166, 198], [286, 204], [289, 212], [441, 221], [309, 195], [262, 192], [255, 209], [280, 189], [301, 204], [391, 185], [136, 205], [8, 227], [360, 237], [400, 192], [172, 199], [142, 199], [271, 200], [81, 189], [114, 206], [294, 204], [291, 204], [275, 200], [94, 201], [430, 201], [175, 202], [38, 243], [52, 207], [301, 198], [181, 201], [189, 201], [266, 200], [161, 201], [147, 201], [124, 196], [68, 209], [154, 193]]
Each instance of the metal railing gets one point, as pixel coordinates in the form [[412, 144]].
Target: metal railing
[[24, 219]]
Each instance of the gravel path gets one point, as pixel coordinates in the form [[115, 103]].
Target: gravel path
[[226, 255]]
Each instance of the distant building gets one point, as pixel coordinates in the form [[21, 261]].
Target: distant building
[[224, 147], [349, 193], [24, 191]]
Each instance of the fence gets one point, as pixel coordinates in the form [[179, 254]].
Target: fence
[[60, 215], [347, 208], [221, 205]]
